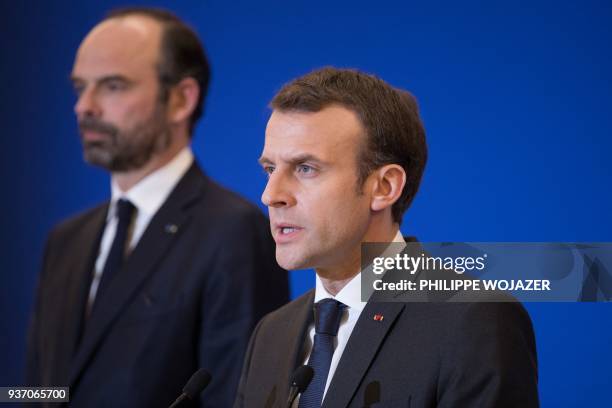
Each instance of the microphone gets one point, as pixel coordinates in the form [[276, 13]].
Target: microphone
[[299, 382], [194, 386]]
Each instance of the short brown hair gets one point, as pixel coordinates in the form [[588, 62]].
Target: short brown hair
[[390, 117], [181, 55]]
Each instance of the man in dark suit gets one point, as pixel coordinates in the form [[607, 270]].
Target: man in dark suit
[[345, 153], [172, 273]]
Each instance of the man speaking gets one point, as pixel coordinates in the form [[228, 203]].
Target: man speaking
[[172, 273], [345, 153]]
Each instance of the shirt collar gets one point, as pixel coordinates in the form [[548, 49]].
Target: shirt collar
[[149, 194], [350, 294]]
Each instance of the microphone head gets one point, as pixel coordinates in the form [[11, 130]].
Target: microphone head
[[302, 377], [197, 383]]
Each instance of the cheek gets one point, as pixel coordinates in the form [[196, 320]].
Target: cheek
[[338, 211], [127, 112], [120, 113]]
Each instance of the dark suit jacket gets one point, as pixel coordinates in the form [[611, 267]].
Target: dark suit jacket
[[188, 296], [419, 355]]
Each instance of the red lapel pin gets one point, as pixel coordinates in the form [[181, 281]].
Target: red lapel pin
[[378, 317]]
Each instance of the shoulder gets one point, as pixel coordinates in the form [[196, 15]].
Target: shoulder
[[468, 331], [69, 226], [226, 212], [504, 322], [491, 320], [67, 239], [465, 318], [495, 344], [287, 314], [224, 200], [489, 334], [492, 309], [218, 200]]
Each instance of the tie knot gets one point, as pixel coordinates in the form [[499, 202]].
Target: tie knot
[[328, 313], [124, 210]]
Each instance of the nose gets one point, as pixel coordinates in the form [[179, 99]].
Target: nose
[[278, 193], [87, 104]]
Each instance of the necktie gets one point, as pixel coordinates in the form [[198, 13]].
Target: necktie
[[125, 210], [328, 313]]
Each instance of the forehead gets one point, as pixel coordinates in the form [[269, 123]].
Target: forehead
[[125, 45], [329, 134]]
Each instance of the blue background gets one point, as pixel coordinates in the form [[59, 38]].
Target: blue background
[[515, 97]]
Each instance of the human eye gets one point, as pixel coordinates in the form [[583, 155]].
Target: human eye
[[268, 169], [305, 169], [115, 85], [78, 88]]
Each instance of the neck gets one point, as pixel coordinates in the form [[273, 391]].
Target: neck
[[128, 179], [335, 278]]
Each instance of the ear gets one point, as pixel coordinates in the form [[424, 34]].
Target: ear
[[183, 100], [387, 186]]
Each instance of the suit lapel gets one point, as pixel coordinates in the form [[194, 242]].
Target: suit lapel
[[365, 340], [159, 236], [78, 273], [297, 330]]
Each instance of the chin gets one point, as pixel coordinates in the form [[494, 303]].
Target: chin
[[291, 260], [99, 160]]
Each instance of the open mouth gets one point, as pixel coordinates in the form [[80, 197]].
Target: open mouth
[[286, 232]]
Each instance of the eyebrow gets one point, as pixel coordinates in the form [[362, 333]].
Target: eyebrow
[[298, 159], [117, 77]]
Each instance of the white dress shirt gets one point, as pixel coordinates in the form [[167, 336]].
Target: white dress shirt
[[350, 295], [147, 196]]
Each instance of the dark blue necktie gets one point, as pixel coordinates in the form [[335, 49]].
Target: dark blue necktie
[[328, 313], [125, 210]]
